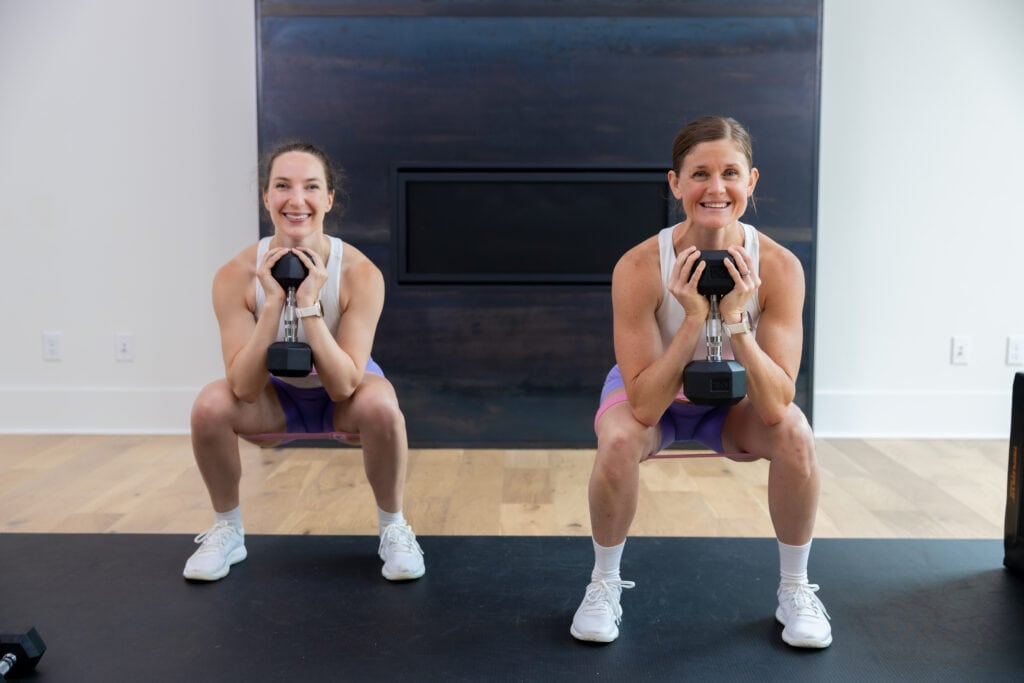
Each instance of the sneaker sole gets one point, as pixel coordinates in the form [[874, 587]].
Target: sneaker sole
[[815, 644], [236, 556], [593, 637], [403, 576]]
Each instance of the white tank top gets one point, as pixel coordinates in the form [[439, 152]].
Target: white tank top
[[670, 313], [328, 299]]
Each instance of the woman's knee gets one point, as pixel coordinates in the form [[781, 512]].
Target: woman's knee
[[621, 446], [794, 441], [214, 408], [377, 411]]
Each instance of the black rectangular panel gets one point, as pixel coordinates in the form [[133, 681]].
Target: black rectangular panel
[[484, 226], [482, 354]]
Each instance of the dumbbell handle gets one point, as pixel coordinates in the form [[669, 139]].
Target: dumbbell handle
[[713, 330], [7, 663], [290, 320]]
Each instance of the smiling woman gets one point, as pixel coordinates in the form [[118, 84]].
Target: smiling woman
[[339, 301], [659, 319]]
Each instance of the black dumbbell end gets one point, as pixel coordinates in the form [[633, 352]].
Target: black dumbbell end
[[289, 359], [26, 648], [289, 270], [715, 280], [714, 383]]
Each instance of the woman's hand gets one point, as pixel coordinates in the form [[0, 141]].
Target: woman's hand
[[309, 291], [271, 287], [684, 288], [746, 283]]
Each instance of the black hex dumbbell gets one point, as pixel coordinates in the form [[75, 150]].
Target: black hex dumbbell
[[20, 652], [289, 358], [714, 382]]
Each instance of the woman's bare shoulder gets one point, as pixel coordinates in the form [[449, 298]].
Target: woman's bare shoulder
[[241, 266], [779, 268], [645, 257]]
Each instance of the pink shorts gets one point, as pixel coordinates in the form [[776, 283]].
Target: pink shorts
[[681, 422]]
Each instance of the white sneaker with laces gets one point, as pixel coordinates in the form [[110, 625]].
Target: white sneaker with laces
[[221, 546], [803, 615], [598, 616], [402, 555]]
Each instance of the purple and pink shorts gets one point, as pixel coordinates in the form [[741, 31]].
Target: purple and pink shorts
[[681, 422], [309, 410]]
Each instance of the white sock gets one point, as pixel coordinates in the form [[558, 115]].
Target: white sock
[[385, 518], [606, 562], [234, 517], [793, 562]]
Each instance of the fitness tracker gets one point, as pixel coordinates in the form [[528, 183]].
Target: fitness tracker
[[742, 327], [314, 311]]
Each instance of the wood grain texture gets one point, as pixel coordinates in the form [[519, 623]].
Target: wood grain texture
[[149, 484]]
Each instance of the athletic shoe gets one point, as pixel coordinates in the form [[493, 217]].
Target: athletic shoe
[[804, 617], [402, 555], [221, 546], [598, 616]]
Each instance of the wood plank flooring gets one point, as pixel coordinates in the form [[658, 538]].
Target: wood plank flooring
[[149, 484]]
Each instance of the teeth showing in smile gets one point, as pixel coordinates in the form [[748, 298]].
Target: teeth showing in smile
[[715, 205], [296, 216]]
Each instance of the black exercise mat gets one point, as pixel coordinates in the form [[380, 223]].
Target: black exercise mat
[[315, 608]]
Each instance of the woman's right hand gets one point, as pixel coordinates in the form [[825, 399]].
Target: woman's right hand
[[272, 289], [684, 288]]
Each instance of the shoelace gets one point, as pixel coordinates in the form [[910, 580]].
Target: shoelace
[[601, 596], [217, 535], [400, 535], [804, 600]]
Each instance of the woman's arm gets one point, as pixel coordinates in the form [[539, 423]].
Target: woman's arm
[[341, 358], [653, 374], [244, 341], [771, 358]]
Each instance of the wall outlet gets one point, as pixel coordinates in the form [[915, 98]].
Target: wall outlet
[[51, 346], [1015, 350], [124, 347], [960, 350]]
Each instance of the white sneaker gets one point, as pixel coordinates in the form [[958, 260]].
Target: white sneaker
[[804, 617], [221, 546], [598, 616], [402, 555]]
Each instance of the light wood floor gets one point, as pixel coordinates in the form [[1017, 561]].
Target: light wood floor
[[149, 484]]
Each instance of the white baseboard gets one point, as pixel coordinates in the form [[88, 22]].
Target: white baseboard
[[912, 415]]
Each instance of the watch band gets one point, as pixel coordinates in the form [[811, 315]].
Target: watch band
[[314, 311], [742, 327]]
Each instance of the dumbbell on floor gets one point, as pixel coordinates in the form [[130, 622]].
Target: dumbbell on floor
[[19, 653], [714, 382], [289, 358]]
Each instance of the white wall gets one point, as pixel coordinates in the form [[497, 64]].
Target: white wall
[[920, 229], [128, 175]]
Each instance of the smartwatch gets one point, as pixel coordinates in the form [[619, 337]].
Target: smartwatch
[[314, 311], [742, 327]]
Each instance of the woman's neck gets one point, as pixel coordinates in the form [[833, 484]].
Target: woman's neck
[[318, 242], [687, 234]]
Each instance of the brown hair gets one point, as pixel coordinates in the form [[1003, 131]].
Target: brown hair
[[709, 129]]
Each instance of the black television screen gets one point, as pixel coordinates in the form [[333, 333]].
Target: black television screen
[[476, 226]]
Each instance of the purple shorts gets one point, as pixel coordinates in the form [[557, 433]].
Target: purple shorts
[[681, 422], [310, 410]]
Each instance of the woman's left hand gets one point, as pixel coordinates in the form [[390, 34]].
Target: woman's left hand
[[746, 283], [309, 291]]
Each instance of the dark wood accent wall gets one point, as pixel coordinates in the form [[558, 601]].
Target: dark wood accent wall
[[509, 83]]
